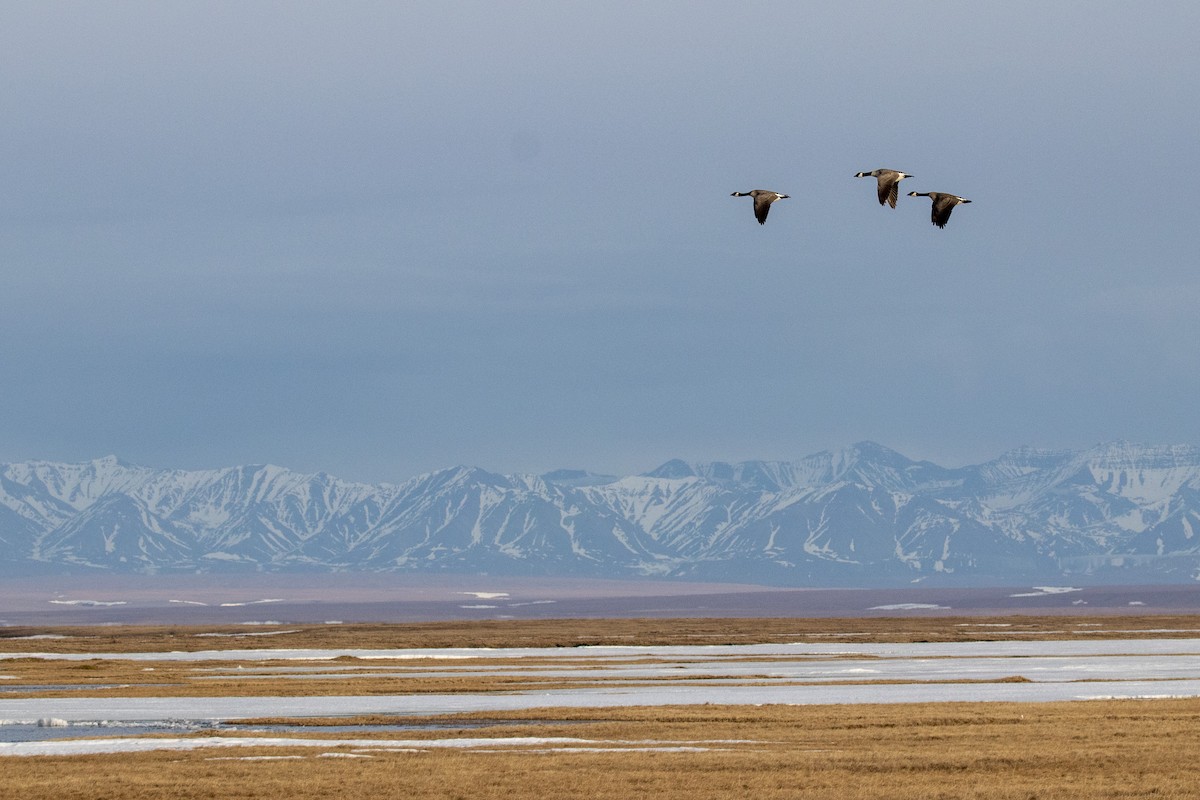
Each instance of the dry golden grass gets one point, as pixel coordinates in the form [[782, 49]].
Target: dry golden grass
[[1116, 749], [583, 632], [1111, 749]]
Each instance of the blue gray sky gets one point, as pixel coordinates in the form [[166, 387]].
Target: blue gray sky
[[382, 238]]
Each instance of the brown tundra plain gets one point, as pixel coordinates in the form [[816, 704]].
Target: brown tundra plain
[[1128, 748]]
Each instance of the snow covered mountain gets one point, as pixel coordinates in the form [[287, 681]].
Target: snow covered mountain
[[862, 516]]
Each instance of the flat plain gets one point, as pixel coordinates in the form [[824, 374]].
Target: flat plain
[[1120, 748]]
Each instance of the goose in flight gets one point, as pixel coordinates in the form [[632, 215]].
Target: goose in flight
[[762, 202], [889, 183], [943, 204]]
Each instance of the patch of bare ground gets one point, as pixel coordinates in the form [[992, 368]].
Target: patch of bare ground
[[1135, 750]]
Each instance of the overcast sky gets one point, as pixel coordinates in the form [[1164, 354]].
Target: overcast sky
[[382, 238]]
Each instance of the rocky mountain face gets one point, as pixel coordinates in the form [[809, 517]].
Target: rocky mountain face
[[863, 516]]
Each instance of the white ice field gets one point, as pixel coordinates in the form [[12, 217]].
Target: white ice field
[[807, 673]]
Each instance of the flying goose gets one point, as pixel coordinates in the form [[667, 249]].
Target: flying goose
[[889, 183], [943, 204], [762, 202]]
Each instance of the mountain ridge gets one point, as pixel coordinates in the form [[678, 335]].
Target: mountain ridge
[[863, 515]]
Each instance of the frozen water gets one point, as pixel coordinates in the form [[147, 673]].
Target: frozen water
[[808, 673]]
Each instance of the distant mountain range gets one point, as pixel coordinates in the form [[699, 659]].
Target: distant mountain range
[[862, 516]]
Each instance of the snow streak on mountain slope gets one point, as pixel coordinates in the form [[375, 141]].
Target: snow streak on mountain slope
[[860, 516]]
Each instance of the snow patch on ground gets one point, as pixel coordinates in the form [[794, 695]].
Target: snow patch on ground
[[253, 602], [361, 746], [255, 633], [1043, 591], [88, 603], [41, 636]]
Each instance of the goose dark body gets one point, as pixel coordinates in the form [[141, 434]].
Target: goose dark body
[[762, 202], [888, 183], [943, 204]]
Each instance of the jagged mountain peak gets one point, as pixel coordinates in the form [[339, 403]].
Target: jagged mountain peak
[[460, 475], [871, 464], [1114, 453], [110, 461], [576, 477], [1129, 454], [873, 451], [771, 476], [77, 484], [673, 469], [866, 462], [860, 514], [1033, 456]]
